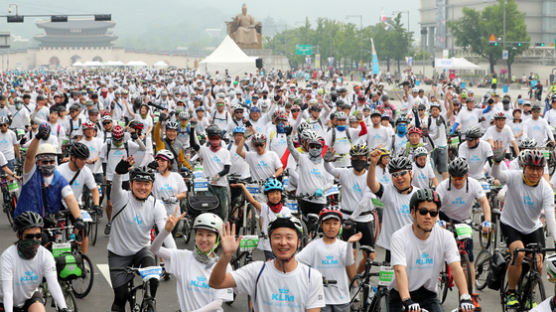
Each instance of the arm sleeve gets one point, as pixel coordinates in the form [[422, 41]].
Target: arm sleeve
[[224, 171], [7, 295], [487, 109], [193, 140], [116, 191], [293, 151], [548, 205], [501, 175], [56, 290], [363, 128], [157, 248], [332, 170], [212, 306]]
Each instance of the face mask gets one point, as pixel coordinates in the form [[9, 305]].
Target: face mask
[[280, 128], [27, 248], [118, 144], [47, 170], [341, 128], [402, 129], [359, 164], [315, 152], [179, 109], [333, 98]]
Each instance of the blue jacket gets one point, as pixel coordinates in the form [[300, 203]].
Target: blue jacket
[[31, 198]]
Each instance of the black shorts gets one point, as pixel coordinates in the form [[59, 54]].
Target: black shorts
[[366, 229], [36, 297], [125, 186], [511, 235]]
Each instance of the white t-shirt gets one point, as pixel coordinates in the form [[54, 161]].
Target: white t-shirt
[[26, 275], [423, 259], [506, 136], [342, 144], [268, 216], [213, 163], [396, 213], [538, 130], [437, 130], [476, 157], [95, 148], [331, 260], [457, 204], [378, 136], [239, 165], [192, 278], [550, 116], [277, 291], [262, 166], [354, 189], [7, 142], [114, 157], [169, 186], [468, 119], [85, 178], [311, 178], [422, 177]]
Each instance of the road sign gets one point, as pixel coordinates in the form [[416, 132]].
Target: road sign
[[304, 49], [492, 38], [505, 54]]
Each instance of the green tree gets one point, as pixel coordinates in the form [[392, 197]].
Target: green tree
[[473, 31]]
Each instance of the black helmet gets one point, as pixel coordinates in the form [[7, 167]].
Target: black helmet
[[287, 221], [28, 220], [399, 163], [213, 130], [141, 174], [527, 143], [458, 167], [473, 133], [172, 125], [424, 195], [79, 150]]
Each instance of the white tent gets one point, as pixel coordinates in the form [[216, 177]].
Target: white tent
[[77, 64], [136, 64], [113, 63], [455, 63], [160, 64], [92, 64], [228, 56]]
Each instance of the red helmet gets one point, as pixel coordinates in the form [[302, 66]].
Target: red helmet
[[500, 115], [533, 158], [415, 130], [104, 113], [117, 133], [328, 213], [88, 125]]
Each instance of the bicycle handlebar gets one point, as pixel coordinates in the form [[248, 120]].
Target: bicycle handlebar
[[531, 248]]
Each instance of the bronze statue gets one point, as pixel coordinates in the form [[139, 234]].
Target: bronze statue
[[245, 31]]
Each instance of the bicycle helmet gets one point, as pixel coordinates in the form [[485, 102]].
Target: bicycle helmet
[[287, 221], [329, 213], [183, 116], [4, 120], [106, 118], [527, 143], [340, 116], [401, 119], [303, 126], [422, 195], [551, 268], [499, 115], [420, 151], [208, 221], [172, 125], [258, 138], [239, 129], [458, 167], [384, 152], [213, 131], [28, 220], [415, 130], [88, 125], [399, 164], [533, 158], [375, 112], [117, 133], [79, 150], [137, 125], [272, 184], [473, 133], [314, 138], [143, 173], [359, 149], [164, 154], [435, 104]]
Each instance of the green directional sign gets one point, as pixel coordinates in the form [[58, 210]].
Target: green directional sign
[[304, 49]]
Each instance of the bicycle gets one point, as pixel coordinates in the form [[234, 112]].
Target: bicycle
[[9, 190], [148, 303], [92, 225], [364, 296], [492, 238], [243, 213], [69, 298]]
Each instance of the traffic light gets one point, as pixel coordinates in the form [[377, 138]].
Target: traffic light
[[59, 18], [103, 17], [493, 43], [539, 44], [15, 19]]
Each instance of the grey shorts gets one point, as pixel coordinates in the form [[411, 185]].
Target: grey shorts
[[336, 308], [440, 158], [143, 258]]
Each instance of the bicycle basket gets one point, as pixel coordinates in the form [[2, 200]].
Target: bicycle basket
[[69, 263], [199, 204]]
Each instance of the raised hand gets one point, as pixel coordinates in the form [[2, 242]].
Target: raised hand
[[228, 239], [355, 237], [173, 220]]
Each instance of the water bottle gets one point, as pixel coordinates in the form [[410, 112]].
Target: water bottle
[[285, 181], [72, 237], [372, 294]]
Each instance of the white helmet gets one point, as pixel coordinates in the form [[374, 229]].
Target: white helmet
[[166, 154], [551, 268], [208, 221], [46, 149]]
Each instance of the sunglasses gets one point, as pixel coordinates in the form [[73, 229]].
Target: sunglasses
[[258, 144], [315, 146], [36, 236], [424, 211], [3, 125], [47, 162], [399, 174], [106, 123], [517, 120], [458, 178], [295, 110]]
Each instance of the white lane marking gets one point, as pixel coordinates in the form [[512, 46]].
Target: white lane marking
[[103, 268]]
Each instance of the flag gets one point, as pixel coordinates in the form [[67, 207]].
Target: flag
[[374, 62]]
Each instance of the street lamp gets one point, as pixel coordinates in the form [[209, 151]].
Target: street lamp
[[360, 35]]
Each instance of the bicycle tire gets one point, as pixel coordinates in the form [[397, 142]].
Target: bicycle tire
[[358, 297], [187, 230], [87, 281], [251, 220], [9, 208], [93, 233], [443, 284], [482, 266], [71, 303], [536, 294], [305, 239], [379, 303], [148, 306], [466, 266], [376, 225]]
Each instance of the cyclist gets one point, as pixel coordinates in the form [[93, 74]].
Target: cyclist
[[537, 127], [355, 196], [475, 151], [377, 134], [267, 211], [334, 260], [341, 138], [135, 214], [458, 194], [263, 164], [268, 283], [502, 132], [419, 250], [23, 267], [548, 305], [170, 143], [399, 138], [526, 197], [422, 170], [192, 268], [9, 145], [168, 186], [94, 144], [395, 196]]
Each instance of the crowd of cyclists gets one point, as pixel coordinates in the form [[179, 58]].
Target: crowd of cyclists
[[328, 169]]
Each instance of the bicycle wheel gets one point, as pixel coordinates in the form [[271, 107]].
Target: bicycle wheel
[[93, 233], [187, 230], [305, 239], [532, 291], [358, 293], [82, 286], [482, 265], [9, 208], [380, 302], [69, 298], [443, 286], [148, 306], [466, 266]]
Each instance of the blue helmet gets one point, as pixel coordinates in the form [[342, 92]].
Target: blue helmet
[[239, 129], [273, 184]]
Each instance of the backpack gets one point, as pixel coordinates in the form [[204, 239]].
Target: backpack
[[71, 126], [334, 136], [497, 271]]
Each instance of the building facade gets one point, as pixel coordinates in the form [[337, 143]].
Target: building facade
[[540, 17], [76, 33]]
